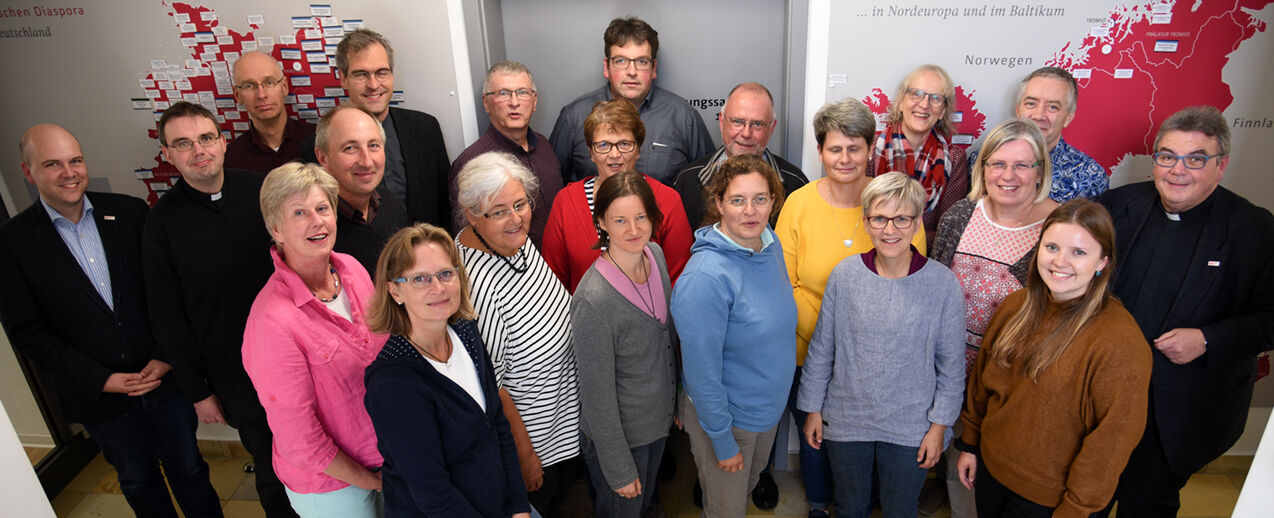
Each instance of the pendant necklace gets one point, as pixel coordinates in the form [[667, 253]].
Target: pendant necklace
[[336, 285], [650, 306], [506, 260], [445, 363], [849, 242]]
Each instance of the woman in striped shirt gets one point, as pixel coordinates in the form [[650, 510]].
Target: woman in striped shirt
[[524, 319]]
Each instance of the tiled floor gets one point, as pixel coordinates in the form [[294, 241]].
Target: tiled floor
[[95, 492]]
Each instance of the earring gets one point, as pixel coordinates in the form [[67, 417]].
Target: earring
[[1097, 273]]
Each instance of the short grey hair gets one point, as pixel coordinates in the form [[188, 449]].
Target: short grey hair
[[1203, 119], [848, 116], [894, 186], [325, 125], [289, 180], [506, 67], [482, 178], [1060, 74]]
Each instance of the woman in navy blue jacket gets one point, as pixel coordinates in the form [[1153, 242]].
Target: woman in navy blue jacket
[[431, 392]]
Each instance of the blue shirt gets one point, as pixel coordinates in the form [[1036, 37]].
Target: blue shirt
[[85, 243], [1075, 174]]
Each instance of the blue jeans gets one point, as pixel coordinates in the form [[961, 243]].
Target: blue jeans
[[158, 428], [816, 474], [900, 478], [607, 502]]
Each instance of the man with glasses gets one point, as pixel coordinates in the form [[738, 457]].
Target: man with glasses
[[675, 134], [416, 162], [1197, 273], [206, 255], [1048, 97], [509, 97], [350, 144], [273, 138], [74, 304], [747, 122]]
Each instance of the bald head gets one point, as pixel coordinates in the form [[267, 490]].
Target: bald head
[[259, 86], [53, 162], [747, 120]]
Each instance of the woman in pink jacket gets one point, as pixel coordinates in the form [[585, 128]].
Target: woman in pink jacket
[[306, 346]]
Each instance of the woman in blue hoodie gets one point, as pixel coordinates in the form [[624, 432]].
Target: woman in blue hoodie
[[739, 346], [431, 392]]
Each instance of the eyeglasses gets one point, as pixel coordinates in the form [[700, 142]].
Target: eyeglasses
[[603, 147], [618, 62], [999, 166], [521, 207], [1163, 159], [268, 84], [759, 201], [423, 280], [362, 76], [900, 222], [738, 124], [205, 140], [505, 94], [918, 95]]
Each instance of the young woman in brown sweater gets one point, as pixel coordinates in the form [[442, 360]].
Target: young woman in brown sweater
[[1057, 399]]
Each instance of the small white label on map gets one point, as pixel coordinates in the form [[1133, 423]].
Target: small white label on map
[[333, 91], [312, 45], [325, 102], [1099, 32], [324, 111], [182, 85], [181, 17], [330, 50], [208, 56], [1123, 73], [287, 39], [161, 105], [320, 69], [190, 98], [233, 115], [249, 45], [164, 85], [307, 114], [962, 139], [265, 41], [186, 27], [256, 19], [241, 126], [291, 54], [302, 22], [330, 21], [224, 90], [313, 34], [159, 76], [398, 96], [305, 98], [1166, 46], [208, 16], [333, 32], [332, 41], [205, 37], [142, 104], [352, 25], [1160, 19], [300, 80], [153, 94], [289, 99], [225, 103], [158, 64], [316, 57], [146, 83], [144, 174], [957, 116], [1161, 8], [225, 40], [189, 42], [320, 10]]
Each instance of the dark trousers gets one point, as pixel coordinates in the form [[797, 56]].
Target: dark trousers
[[996, 501], [160, 428], [1148, 487], [243, 411], [816, 473], [557, 483], [859, 468], [606, 502]]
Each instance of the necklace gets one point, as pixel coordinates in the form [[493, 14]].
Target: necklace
[[650, 305], [336, 285], [446, 343], [506, 260], [848, 242]]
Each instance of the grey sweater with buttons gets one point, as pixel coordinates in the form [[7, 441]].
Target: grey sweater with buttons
[[627, 364], [887, 355]]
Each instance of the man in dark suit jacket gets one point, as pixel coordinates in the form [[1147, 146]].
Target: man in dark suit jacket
[[416, 162], [1197, 273], [75, 304]]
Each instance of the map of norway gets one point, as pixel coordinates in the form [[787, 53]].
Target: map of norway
[[309, 67]]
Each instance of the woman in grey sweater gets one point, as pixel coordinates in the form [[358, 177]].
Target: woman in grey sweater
[[624, 346], [884, 375]]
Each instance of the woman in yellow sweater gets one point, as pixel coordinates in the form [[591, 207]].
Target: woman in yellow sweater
[[820, 225], [1057, 399]]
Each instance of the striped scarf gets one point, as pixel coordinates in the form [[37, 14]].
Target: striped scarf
[[929, 165]]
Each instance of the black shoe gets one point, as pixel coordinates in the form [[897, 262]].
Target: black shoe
[[698, 495], [766, 493]]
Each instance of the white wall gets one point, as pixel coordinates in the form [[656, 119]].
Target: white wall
[[19, 488]]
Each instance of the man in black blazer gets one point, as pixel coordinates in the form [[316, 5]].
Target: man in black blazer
[[1197, 273], [416, 162], [74, 303]]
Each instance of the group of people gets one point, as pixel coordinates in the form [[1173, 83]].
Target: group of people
[[912, 308]]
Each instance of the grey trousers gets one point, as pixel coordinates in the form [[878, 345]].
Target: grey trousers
[[725, 495]]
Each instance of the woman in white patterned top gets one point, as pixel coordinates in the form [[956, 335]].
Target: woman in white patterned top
[[988, 239], [524, 319]]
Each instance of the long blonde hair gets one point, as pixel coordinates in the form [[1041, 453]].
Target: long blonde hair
[[1024, 336]]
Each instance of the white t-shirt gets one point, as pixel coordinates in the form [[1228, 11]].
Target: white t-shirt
[[460, 369]]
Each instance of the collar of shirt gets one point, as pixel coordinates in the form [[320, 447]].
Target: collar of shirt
[[290, 129], [86, 211], [610, 96], [1194, 214], [512, 146], [917, 261], [212, 201], [766, 238], [355, 215]]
